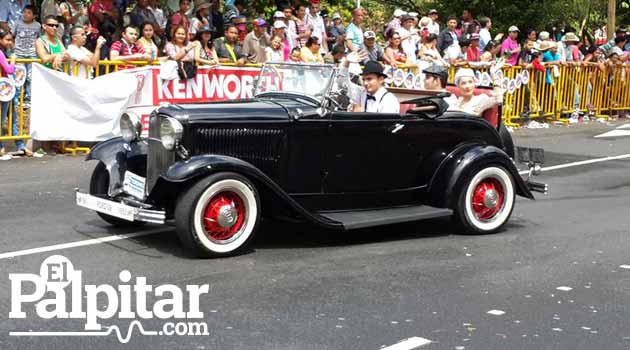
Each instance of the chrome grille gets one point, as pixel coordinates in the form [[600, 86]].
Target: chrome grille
[[261, 147], [158, 159]]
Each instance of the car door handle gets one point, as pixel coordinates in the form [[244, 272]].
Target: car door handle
[[397, 127]]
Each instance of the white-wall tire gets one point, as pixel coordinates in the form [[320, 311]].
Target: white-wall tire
[[486, 200], [203, 209]]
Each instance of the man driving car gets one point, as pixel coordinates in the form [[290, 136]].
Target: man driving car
[[372, 96]]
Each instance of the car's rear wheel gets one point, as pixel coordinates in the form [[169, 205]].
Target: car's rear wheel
[[218, 215], [485, 200], [99, 186]]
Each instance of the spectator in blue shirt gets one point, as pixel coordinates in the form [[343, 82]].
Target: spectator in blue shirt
[[354, 33], [11, 12]]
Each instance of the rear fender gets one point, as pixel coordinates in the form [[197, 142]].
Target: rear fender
[[118, 156], [185, 173], [455, 166]]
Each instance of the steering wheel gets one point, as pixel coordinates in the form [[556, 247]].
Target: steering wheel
[[333, 102]]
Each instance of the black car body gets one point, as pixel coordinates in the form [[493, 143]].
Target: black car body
[[291, 155]]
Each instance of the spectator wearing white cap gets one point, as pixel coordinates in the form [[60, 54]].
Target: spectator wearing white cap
[[572, 52], [510, 47], [542, 36], [280, 29], [374, 51], [395, 23], [434, 28], [336, 32], [416, 18], [277, 16], [425, 23]]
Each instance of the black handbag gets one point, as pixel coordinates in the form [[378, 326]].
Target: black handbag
[[186, 70]]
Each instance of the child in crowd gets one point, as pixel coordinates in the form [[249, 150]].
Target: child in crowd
[[26, 31], [295, 55], [6, 45]]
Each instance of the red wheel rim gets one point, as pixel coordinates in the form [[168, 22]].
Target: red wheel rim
[[224, 215], [488, 198]]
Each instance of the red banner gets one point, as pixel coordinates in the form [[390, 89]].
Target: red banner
[[210, 84]]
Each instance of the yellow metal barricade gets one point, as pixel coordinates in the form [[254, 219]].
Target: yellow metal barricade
[[602, 90]]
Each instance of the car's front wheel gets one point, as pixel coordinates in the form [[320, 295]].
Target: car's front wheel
[[218, 215], [485, 200]]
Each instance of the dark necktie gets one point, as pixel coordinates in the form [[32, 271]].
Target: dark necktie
[[370, 97]]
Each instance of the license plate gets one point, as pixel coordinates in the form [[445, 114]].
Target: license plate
[[134, 185], [105, 206]]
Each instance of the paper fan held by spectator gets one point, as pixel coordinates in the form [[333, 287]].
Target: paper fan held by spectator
[[7, 89], [399, 76], [418, 83], [525, 77], [409, 80], [389, 71], [19, 76], [518, 80]]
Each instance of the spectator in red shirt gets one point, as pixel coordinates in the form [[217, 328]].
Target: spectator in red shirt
[[127, 49], [102, 11], [180, 18], [473, 54]]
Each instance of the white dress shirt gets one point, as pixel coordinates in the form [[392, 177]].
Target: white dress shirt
[[383, 102]]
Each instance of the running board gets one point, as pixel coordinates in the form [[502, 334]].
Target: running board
[[366, 218]]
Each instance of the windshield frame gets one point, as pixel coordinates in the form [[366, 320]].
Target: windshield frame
[[326, 89]]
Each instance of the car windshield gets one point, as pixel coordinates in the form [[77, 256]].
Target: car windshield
[[302, 79]]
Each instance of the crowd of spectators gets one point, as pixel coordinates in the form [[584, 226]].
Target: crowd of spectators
[[77, 35], [211, 32]]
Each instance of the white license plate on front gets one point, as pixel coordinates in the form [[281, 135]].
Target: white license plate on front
[[105, 206], [134, 185]]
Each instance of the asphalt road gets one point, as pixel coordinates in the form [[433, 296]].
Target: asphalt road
[[304, 288]]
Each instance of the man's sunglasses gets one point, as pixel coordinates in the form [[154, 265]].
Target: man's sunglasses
[[54, 25]]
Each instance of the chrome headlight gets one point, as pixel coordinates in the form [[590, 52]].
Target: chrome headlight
[[130, 127], [170, 133]]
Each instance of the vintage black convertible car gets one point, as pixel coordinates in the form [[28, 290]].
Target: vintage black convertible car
[[294, 152]]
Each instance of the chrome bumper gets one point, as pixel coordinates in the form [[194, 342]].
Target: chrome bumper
[[119, 210]]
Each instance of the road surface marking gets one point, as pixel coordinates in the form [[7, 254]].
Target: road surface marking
[[408, 344], [582, 162], [86, 242], [614, 133], [496, 312], [618, 132]]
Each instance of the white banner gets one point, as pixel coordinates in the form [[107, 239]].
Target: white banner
[[77, 109]]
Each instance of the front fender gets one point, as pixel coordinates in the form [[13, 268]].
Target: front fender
[[207, 164], [204, 165], [460, 161], [116, 154]]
